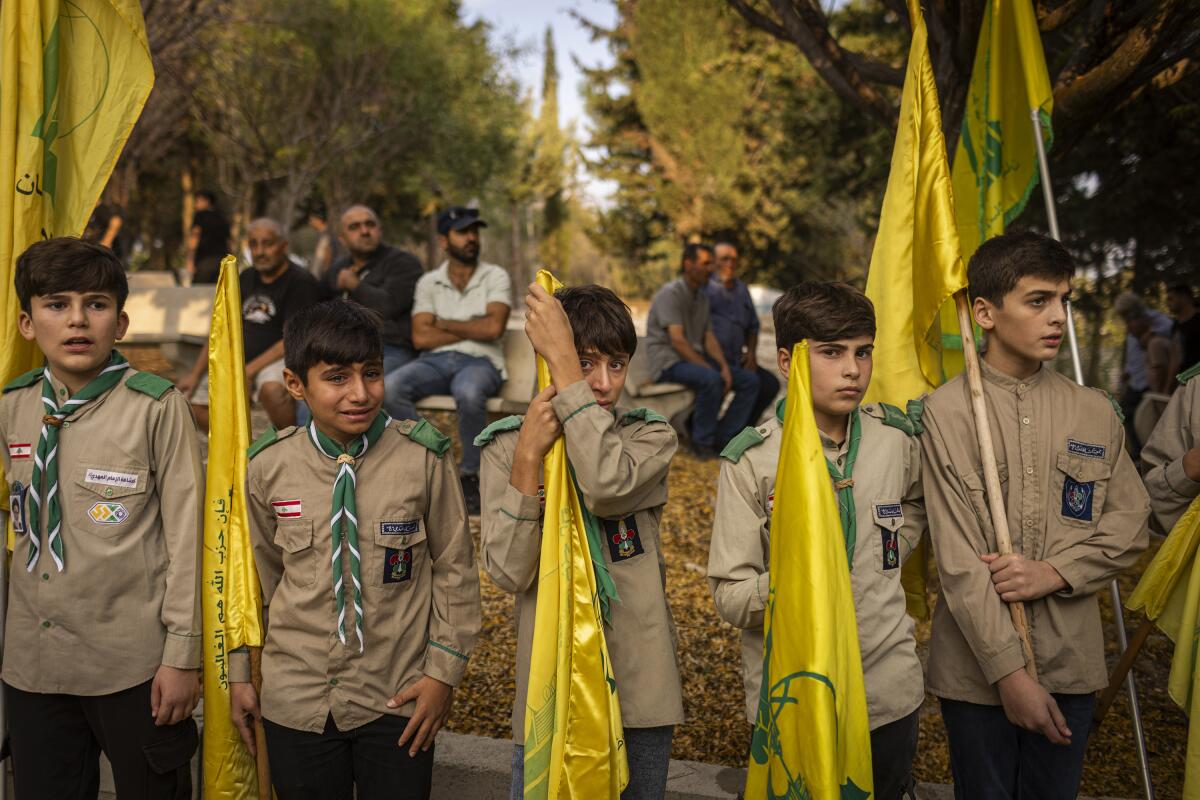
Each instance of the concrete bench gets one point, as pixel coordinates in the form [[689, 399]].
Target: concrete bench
[[176, 318]]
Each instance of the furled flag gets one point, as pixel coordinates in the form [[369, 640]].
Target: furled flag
[[1169, 592], [73, 80], [916, 265], [232, 597], [812, 738], [574, 743]]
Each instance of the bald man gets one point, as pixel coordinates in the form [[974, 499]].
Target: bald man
[[272, 291], [380, 277]]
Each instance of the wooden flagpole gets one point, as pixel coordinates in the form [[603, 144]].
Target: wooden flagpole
[[991, 475], [262, 766]]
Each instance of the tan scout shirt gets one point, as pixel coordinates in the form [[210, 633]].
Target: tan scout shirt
[[1171, 490], [621, 465], [888, 511], [1073, 500], [128, 599], [418, 620]]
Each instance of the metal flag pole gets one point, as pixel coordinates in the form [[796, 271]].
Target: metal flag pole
[[4, 563], [1135, 708]]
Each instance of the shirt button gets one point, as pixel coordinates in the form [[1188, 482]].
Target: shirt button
[[46, 624], [1021, 386], [45, 576], [62, 392], [1028, 523], [1024, 420], [108, 492], [66, 424], [333, 681], [1029, 470]]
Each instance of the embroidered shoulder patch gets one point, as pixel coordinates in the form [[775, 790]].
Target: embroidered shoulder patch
[[643, 414], [486, 436], [21, 381], [888, 511], [270, 436], [1084, 449], [748, 438], [895, 418], [1116, 406], [426, 435], [148, 383]]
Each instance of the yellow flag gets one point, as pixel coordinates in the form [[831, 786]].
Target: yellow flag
[[232, 597], [916, 265], [574, 742], [812, 738], [1169, 593], [73, 80]]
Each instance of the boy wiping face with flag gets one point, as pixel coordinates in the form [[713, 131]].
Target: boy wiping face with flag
[[874, 463]]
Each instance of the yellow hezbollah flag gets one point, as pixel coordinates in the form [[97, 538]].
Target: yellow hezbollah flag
[[574, 743], [916, 265], [232, 599], [1169, 591], [73, 79], [996, 163], [812, 738]]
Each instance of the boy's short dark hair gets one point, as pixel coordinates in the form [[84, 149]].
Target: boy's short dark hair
[[822, 311], [1000, 263], [67, 264], [599, 319], [208, 195], [335, 332]]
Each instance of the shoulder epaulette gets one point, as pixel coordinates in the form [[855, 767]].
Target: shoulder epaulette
[[894, 418], [1189, 373], [426, 435], [269, 437], [916, 410], [644, 415], [1116, 406], [21, 381], [149, 384], [738, 445], [499, 426]]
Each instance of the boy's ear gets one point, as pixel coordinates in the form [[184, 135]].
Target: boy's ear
[[294, 385], [983, 312], [122, 325], [25, 326], [785, 361]]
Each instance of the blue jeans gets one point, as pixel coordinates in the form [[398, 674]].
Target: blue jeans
[[707, 430], [648, 751], [992, 759], [471, 379], [395, 357], [768, 387]]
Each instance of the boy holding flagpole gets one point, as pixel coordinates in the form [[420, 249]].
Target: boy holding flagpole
[[620, 459], [1078, 515], [873, 461]]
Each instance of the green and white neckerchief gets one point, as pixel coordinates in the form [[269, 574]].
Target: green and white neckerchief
[[45, 458], [843, 482], [343, 520]]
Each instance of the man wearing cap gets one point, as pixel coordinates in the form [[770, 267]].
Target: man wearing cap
[[380, 277], [458, 318]]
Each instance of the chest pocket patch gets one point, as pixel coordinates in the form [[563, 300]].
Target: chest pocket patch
[[623, 539], [1077, 499], [889, 517], [397, 565], [16, 505]]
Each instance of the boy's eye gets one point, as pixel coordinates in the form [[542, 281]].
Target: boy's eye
[[372, 373], [337, 377], [585, 365], [864, 352], [616, 366]]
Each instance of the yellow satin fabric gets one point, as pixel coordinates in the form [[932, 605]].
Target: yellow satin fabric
[[232, 602], [574, 742], [812, 737]]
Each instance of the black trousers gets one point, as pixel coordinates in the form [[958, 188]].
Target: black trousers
[[56, 740], [992, 759], [332, 764], [893, 748]]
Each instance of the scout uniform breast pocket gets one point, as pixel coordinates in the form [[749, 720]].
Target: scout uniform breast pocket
[[294, 535], [889, 519], [400, 542], [105, 498], [1080, 484]]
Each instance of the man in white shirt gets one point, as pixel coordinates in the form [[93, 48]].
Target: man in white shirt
[[459, 314]]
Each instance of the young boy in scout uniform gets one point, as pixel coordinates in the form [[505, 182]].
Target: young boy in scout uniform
[[367, 570], [874, 463], [1171, 456], [102, 639], [620, 458], [1077, 514]]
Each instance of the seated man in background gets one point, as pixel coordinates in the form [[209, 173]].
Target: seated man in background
[[681, 348], [272, 291], [458, 318], [735, 324]]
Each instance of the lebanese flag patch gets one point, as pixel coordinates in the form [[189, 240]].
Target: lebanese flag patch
[[16, 451], [286, 509]]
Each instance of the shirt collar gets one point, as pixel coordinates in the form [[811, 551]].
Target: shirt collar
[[442, 275], [995, 376]]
